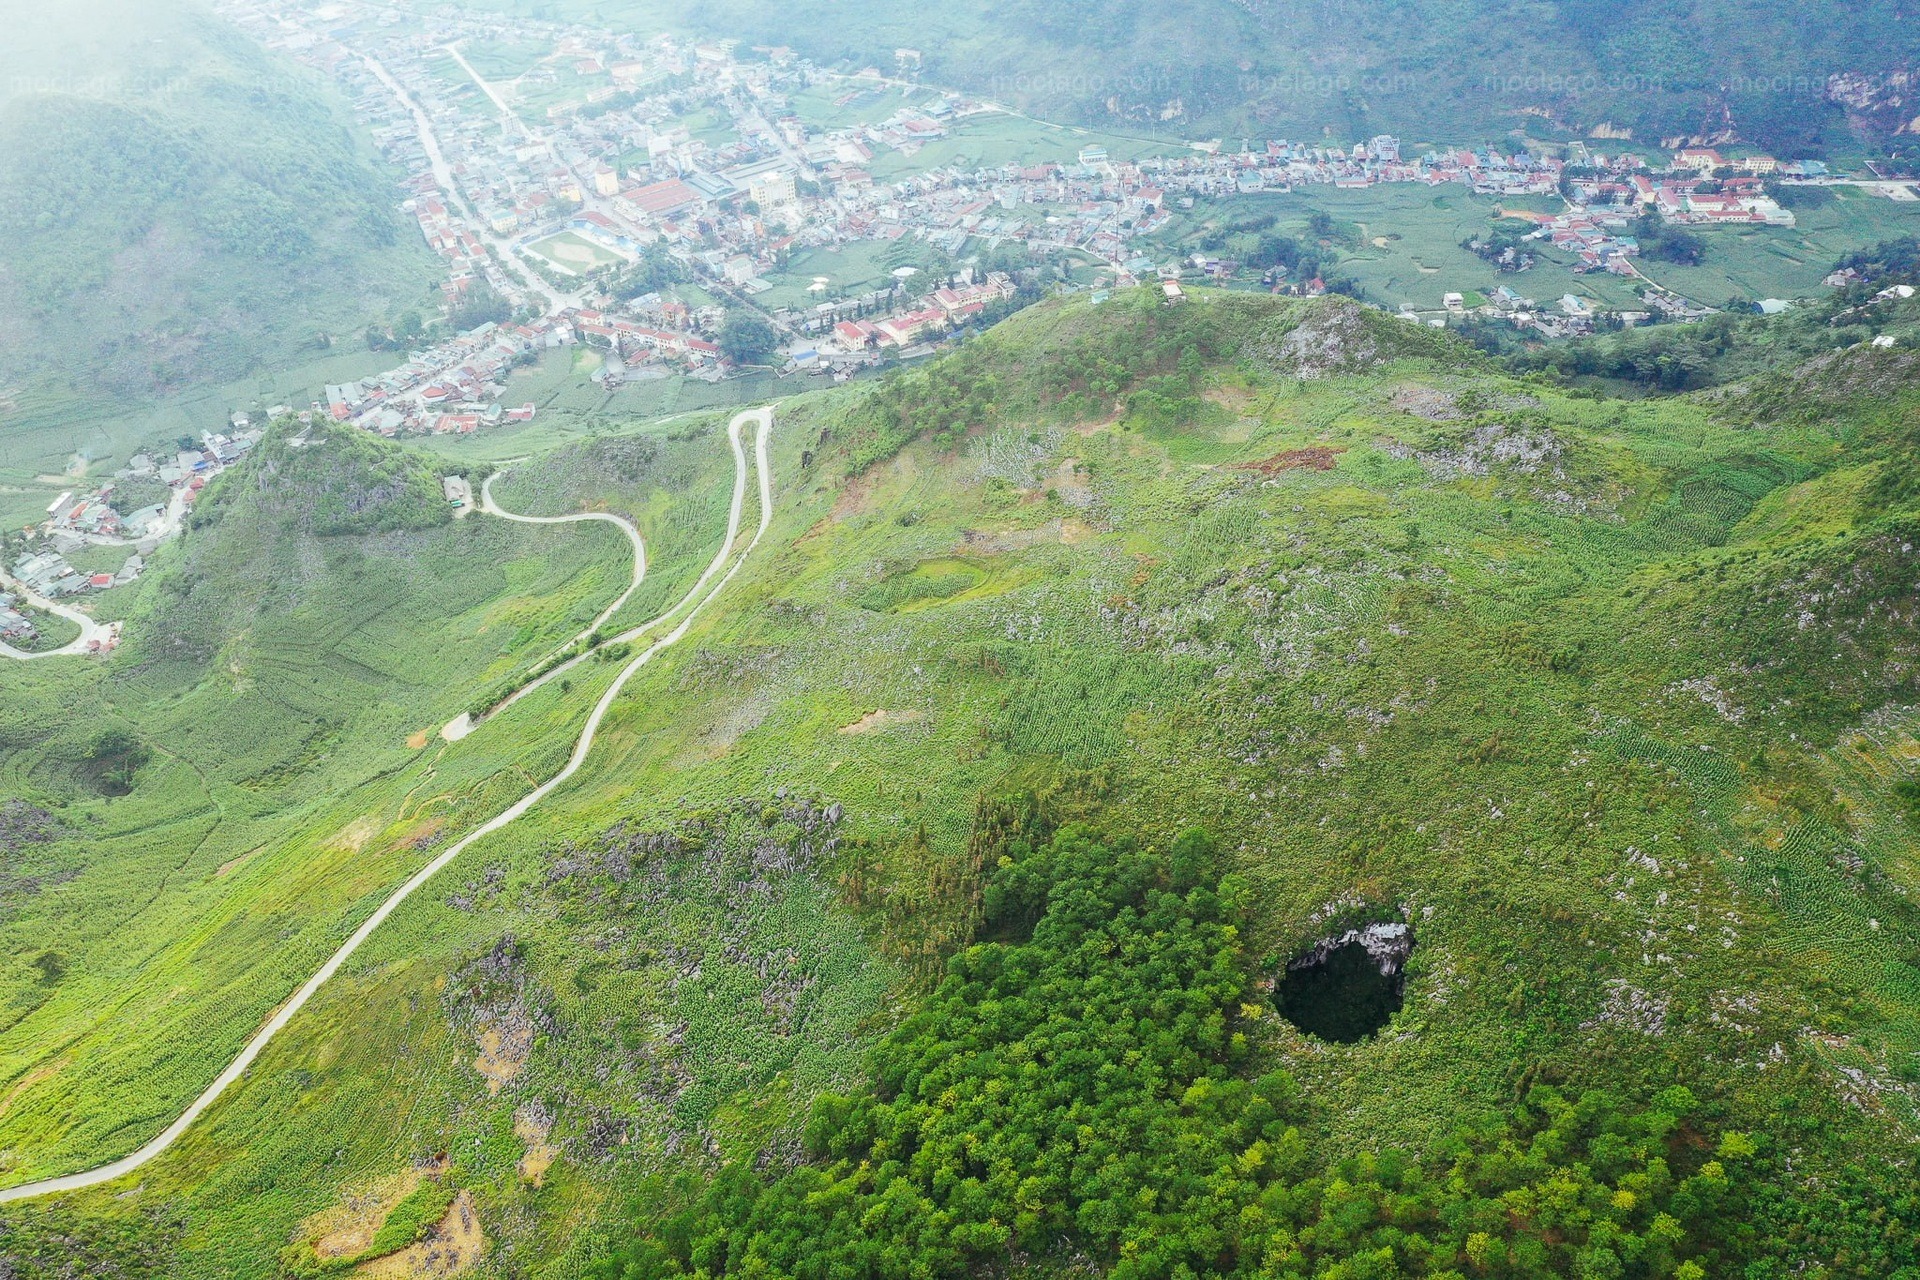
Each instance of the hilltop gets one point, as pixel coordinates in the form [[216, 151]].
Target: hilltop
[[1248, 787]]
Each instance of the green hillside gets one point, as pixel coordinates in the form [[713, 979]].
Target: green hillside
[[1433, 70], [212, 796], [177, 208], [928, 909]]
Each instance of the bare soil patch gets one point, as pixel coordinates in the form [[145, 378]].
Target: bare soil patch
[[534, 1128], [29, 1080], [505, 1045], [232, 865], [346, 1229], [1425, 402], [880, 719], [354, 836], [455, 1246], [1314, 458]]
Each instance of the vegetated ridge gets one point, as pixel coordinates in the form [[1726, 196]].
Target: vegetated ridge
[[932, 908]]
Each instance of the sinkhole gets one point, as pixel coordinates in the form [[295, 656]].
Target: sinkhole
[[1345, 988]]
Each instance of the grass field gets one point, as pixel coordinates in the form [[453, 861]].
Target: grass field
[[1422, 258], [503, 59], [1528, 666], [821, 107], [850, 270], [553, 87], [987, 141], [1783, 263], [574, 253]]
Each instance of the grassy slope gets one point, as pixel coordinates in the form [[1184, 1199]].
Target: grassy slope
[[285, 688], [179, 208], [674, 483], [1610, 695]]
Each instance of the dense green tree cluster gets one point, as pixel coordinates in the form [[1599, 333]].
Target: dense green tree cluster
[[1663, 243], [747, 338], [1085, 1087], [1265, 249], [1161, 353], [1798, 196], [1085, 382], [340, 480], [1668, 357], [1253, 224], [655, 270], [1507, 236], [946, 398], [135, 492], [481, 305], [1897, 257], [1171, 400]]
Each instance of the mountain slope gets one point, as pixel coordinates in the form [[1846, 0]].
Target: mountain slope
[[177, 206], [1432, 70], [935, 903], [285, 673], [1610, 702]]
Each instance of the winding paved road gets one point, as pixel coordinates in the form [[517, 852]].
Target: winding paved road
[[89, 629], [235, 1069], [626, 526], [459, 729]]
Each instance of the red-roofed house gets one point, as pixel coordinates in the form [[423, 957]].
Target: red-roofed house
[[855, 335], [904, 330], [661, 199]]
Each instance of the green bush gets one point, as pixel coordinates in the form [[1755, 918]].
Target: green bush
[[409, 1221]]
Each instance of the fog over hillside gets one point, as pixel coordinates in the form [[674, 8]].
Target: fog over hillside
[[1219, 640]]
